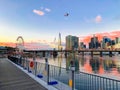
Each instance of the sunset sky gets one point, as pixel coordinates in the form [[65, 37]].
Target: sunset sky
[[40, 21]]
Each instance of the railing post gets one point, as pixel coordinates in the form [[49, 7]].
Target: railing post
[[47, 69], [35, 65], [24, 62], [72, 76], [17, 60], [27, 63], [20, 61], [48, 74], [35, 68]]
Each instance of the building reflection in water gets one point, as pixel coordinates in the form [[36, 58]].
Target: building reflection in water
[[99, 65], [85, 65], [70, 58], [95, 64], [59, 62], [89, 64]]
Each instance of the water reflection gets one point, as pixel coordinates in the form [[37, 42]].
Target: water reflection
[[59, 63], [99, 65], [74, 59], [95, 64]]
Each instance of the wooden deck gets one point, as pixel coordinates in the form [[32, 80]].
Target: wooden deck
[[12, 78]]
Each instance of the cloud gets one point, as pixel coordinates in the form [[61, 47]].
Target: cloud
[[41, 13], [98, 19], [112, 35], [36, 45], [47, 9]]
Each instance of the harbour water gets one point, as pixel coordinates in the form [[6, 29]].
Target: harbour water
[[105, 66], [91, 73]]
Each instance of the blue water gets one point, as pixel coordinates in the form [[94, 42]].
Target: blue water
[[99, 65], [105, 66]]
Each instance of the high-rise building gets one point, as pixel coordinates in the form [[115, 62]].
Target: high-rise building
[[117, 40], [94, 42], [71, 42], [106, 42], [59, 42]]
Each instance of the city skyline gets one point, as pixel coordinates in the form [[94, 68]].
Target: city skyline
[[51, 45], [40, 21]]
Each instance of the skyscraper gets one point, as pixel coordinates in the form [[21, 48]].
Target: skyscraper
[[106, 42], [71, 42], [59, 42], [94, 42]]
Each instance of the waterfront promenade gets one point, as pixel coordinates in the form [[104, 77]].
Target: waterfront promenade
[[12, 78]]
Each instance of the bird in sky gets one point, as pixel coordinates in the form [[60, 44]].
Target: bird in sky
[[67, 14]]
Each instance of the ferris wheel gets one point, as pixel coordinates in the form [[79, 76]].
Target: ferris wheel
[[20, 43]]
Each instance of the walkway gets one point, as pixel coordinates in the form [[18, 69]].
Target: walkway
[[12, 78]]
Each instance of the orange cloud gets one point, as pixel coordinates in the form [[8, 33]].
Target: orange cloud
[[27, 45], [10, 44], [100, 36]]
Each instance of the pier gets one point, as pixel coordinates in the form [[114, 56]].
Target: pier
[[12, 78], [69, 78]]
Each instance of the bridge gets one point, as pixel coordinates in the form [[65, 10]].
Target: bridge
[[21, 48], [82, 51]]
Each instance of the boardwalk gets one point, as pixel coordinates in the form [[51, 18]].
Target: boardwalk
[[12, 78]]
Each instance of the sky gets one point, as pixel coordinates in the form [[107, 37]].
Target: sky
[[39, 22]]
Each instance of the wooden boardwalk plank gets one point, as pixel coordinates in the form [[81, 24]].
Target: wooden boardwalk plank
[[12, 78]]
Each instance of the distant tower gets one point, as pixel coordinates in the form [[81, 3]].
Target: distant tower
[[59, 42], [55, 43]]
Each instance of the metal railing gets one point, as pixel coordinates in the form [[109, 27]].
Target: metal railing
[[85, 81], [67, 79]]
